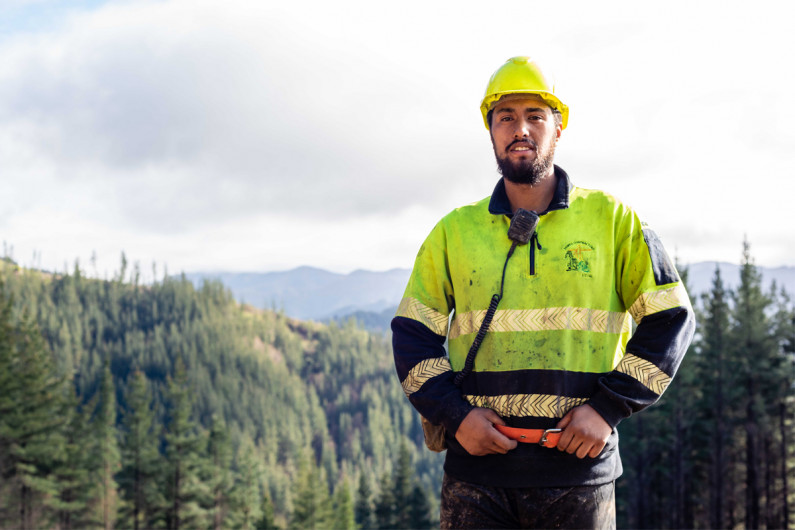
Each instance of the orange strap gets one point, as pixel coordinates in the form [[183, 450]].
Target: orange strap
[[547, 438]]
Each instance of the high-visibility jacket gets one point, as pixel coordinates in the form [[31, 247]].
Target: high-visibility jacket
[[561, 336]]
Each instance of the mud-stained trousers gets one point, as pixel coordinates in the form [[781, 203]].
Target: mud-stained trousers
[[466, 505]]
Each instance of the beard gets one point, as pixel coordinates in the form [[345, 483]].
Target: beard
[[527, 171]]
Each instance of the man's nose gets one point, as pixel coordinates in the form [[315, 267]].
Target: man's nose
[[522, 129]]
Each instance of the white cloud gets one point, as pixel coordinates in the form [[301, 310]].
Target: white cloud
[[150, 125]]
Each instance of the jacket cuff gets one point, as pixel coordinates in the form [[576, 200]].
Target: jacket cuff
[[454, 415], [612, 410]]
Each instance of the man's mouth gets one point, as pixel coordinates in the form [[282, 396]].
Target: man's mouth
[[521, 145]]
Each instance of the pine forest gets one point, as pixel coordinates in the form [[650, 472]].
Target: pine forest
[[126, 404]]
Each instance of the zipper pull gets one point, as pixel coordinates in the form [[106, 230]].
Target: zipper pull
[[535, 239], [534, 244]]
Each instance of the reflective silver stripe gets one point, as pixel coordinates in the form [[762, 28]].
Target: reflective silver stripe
[[423, 371], [647, 373], [545, 319], [415, 310], [656, 301], [523, 405]]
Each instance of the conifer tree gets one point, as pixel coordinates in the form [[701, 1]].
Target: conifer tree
[[785, 333], [419, 509], [139, 478], [402, 487], [107, 448], [312, 505], [385, 507], [220, 479], [185, 494], [714, 346], [32, 411], [268, 519], [365, 516], [756, 353], [78, 489], [247, 495], [344, 516]]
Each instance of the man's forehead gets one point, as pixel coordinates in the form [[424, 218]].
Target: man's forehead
[[524, 100]]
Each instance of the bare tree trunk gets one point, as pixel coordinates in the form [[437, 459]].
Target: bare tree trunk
[[679, 471], [751, 461], [734, 482], [717, 491], [784, 474], [769, 479], [640, 470], [24, 508]]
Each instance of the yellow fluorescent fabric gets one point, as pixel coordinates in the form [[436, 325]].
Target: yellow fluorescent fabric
[[538, 405], [414, 309], [567, 299], [642, 370], [655, 301], [423, 371], [544, 319]]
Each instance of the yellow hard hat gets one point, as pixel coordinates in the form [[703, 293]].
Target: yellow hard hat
[[520, 75]]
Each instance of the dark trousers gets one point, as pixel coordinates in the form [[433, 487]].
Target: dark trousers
[[466, 505]]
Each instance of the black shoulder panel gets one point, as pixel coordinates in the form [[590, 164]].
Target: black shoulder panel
[[664, 270]]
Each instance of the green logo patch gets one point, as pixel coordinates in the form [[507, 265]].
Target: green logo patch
[[579, 256]]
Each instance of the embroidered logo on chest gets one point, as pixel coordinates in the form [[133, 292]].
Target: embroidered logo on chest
[[579, 257]]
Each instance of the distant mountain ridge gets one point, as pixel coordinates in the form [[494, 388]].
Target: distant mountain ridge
[[700, 276], [309, 293]]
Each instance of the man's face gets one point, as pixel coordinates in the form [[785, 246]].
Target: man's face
[[523, 134]]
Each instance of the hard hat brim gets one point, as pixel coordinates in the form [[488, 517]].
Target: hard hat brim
[[550, 99]]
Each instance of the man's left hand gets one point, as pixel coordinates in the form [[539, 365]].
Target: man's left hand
[[585, 432]]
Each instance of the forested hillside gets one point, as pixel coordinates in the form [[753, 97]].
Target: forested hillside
[[169, 406], [163, 405]]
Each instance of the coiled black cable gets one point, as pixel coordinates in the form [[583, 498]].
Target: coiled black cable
[[469, 364]]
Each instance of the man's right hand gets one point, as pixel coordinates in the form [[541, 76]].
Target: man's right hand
[[478, 436]]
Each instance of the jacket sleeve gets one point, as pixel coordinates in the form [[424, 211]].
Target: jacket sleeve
[[655, 296], [419, 330]]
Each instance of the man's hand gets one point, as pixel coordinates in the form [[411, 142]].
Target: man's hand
[[584, 432], [478, 436]]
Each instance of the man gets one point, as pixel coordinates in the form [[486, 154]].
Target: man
[[558, 352]]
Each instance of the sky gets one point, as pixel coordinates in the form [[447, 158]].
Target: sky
[[196, 135]]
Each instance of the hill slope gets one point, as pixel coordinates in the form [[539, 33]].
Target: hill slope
[[284, 387]]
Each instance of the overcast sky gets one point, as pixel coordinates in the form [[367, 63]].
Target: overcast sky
[[259, 135]]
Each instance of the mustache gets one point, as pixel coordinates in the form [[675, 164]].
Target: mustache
[[524, 141]]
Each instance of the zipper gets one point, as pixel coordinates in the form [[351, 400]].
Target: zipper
[[534, 243]]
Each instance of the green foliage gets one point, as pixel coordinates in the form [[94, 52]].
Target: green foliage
[[106, 449], [32, 417], [187, 409], [186, 494], [343, 517], [716, 452], [163, 405], [312, 507], [364, 511], [219, 473], [141, 474]]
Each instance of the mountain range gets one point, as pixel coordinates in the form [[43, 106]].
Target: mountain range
[[309, 293]]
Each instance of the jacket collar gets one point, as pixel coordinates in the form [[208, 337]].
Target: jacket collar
[[500, 205]]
